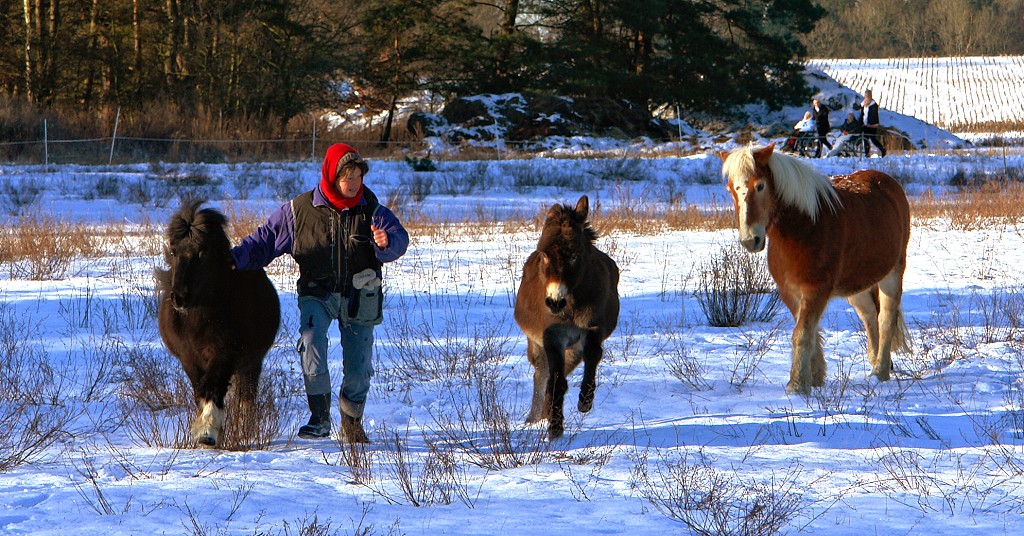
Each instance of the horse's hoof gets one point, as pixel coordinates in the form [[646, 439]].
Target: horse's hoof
[[555, 432], [794, 388], [881, 374], [585, 405]]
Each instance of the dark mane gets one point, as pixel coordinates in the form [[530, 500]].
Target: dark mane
[[563, 219], [192, 224], [189, 231]]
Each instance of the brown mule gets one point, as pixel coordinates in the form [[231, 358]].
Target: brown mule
[[567, 305]]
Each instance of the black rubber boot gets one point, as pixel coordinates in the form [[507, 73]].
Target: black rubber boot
[[352, 429], [320, 417]]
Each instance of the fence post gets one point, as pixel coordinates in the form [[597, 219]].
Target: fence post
[[46, 148], [113, 138]]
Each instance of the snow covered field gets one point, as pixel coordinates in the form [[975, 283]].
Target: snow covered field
[[690, 422], [963, 94]]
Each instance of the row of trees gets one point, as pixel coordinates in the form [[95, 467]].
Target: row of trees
[[917, 28], [272, 60]]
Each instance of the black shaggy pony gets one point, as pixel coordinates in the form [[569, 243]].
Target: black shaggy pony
[[219, 322]]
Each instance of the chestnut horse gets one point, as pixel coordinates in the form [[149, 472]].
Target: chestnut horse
[[219, 322], [567, 305], [845, 236]]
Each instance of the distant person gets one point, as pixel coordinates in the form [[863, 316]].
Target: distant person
[[820, 114], [869, 117], [802, 127], [850, 129], [339, 234]]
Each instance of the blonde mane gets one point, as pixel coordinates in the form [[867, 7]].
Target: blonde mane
[[797, 184]]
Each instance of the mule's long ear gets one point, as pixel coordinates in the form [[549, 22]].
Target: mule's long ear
[[543, 262], [583, 207], [723, 155]]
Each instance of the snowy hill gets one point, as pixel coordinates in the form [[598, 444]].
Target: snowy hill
[[962, 95]]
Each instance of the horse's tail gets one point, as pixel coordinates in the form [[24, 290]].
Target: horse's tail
[[902, 342]]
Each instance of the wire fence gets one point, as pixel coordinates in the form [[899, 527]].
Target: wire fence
[[118, 150], [121, 150], [130, 150]]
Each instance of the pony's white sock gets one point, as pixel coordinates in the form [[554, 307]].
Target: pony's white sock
[[208, 423]]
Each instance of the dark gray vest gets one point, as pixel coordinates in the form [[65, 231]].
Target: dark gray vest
[[330, 247]]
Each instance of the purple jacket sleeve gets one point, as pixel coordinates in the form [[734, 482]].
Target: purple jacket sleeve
[[398, 237], [268, 242]]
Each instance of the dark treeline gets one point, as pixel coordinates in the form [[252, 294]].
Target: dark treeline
[[194, 68], [917, 28], [267, 62]]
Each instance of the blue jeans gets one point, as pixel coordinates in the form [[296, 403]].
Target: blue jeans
[[315, 316]]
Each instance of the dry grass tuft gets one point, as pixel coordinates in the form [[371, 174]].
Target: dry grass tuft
[[976, 207], [42, 248]]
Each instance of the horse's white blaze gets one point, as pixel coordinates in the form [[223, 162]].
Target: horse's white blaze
[[208, 422], [751, 235], [557, 291]]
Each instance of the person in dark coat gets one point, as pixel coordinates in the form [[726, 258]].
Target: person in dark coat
[[850, 129], [339, 235], [869, 117], [819, 112]]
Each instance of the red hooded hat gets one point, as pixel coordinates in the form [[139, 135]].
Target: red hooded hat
[[337, 156]]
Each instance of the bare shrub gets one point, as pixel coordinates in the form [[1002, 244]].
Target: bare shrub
[[949, 482], [143, 191], [635, 210], [620, 169], [256, 425], [155, 399], [832, 398], [17, 197], [683, 366], [359, 458], [680, 216], [750, 354], [32, 413], [527, 178], [186, 181], [420, 354], [417, 185], [106, 186], [286, 186], [582, 467], [243, 220], [958, 329], [712, 502], [479, 423], [93, 495], [466, 178], [247, 180], [439, 479], [1013, 397], [735, 288]]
